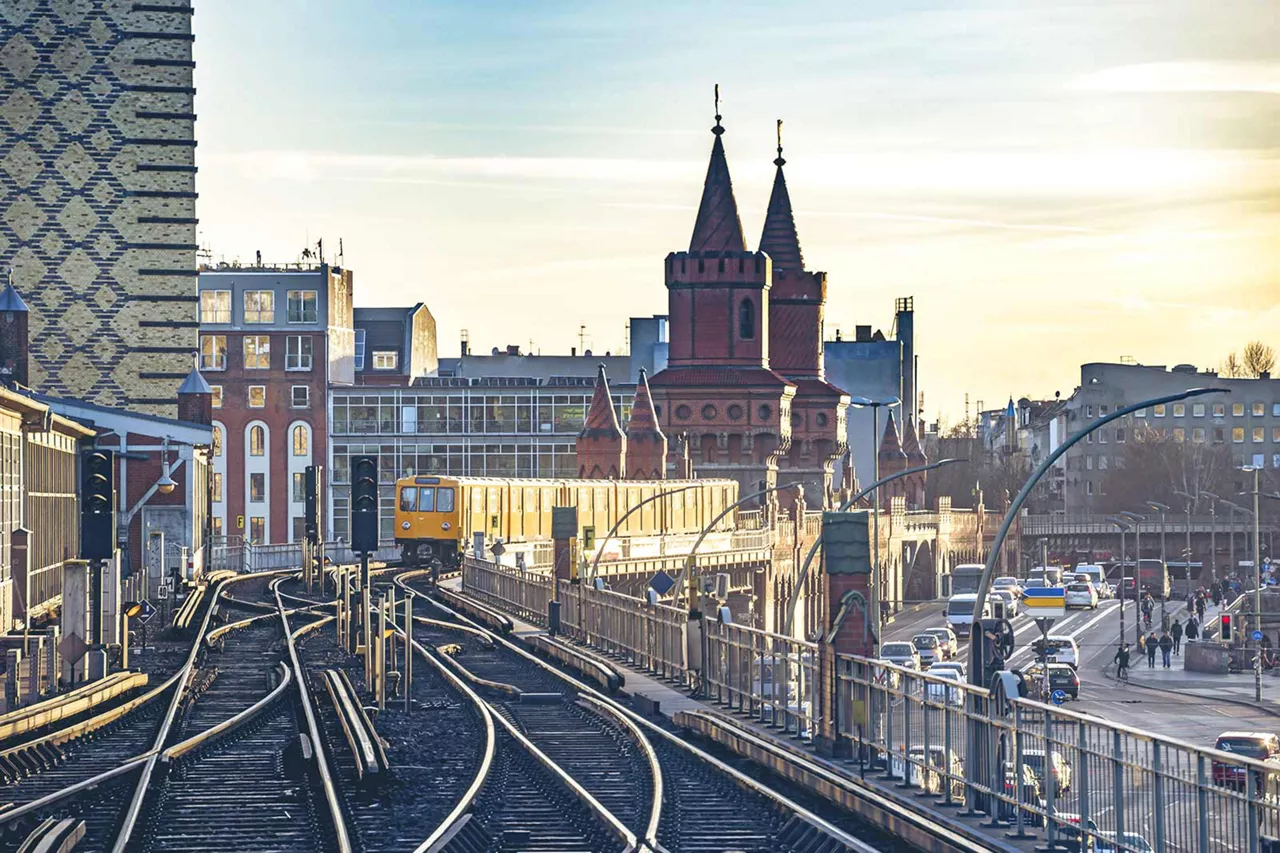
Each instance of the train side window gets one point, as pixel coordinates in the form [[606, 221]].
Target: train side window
[[409, 499], [444, 500], [426, 500]]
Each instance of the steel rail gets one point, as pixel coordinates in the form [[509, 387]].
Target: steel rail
[[313, 730], [651, 756], [181, 749], [741, 778]]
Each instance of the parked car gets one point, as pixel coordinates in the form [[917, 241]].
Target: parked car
[[927, 649], [1057, 649], [947, 641], [1059, 771], [1010, 601], [1061, 677], [950, 665], [1011, 584], [901, 654], [1133, 843], [934, 779], [1032, 795], [939, 692], [1081, 594], [1260, 746]]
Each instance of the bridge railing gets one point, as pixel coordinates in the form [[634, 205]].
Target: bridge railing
[[652, 637], [1089, 524], [1106, 779], [767, 676]]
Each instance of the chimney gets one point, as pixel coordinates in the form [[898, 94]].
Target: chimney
[[573, 351], [466, 343], [862, 334], [14, 337]]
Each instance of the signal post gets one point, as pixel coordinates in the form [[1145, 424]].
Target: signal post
[[364, 541]]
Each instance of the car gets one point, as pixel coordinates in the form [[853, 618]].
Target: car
[[1011, 584], [927, 648], [933, 781], [950, 665], [947, 641], [940, 692], [1032, 796], [1105, 842], [1057, 649], [1081, 594], [1033, 583], [885, 676], [1260, 746], [1060, 771], [1067, 830], [1010, 601], [901, 654], [1061, 677], [1098, 578]]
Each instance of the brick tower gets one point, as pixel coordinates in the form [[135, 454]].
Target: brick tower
[[601, 446], [797, 303], [915, 458], [892, 460], [717, 386], [646, 444]]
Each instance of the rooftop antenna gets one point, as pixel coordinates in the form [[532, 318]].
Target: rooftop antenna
[[582, 329], [341, 257], [320, 250]]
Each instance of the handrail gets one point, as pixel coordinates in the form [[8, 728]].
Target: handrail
[[181, 749], [313, 731]]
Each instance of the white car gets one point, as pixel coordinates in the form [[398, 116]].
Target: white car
[[949, 666], [1010, 600], [901, 654], [947, 641], [1061, 650], [1011, 584], [1081, 594], [945, 692]]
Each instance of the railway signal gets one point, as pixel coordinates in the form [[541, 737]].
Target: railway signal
[[364, 504], [97, 504]]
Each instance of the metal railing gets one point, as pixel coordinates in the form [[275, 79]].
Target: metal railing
[[1049, 525], [766, 676], [241, 556], [651, 637]]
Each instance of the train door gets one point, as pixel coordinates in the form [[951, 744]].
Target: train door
[[514, 517], [479, 515]]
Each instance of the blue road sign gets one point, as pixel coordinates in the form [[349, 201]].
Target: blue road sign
[[1257, 636], [662, 582], [1058, 697], [147, 610]]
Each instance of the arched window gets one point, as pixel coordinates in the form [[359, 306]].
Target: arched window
[[299, 440], [746, 320], [217, 441], [257, 441]]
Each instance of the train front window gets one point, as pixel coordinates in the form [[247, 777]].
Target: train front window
[[444, 499], [409, 499], [426, 500]]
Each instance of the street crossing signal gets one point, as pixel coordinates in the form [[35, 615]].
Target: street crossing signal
[[312, 511], [97, 504], [364, 504], [1225, 634]]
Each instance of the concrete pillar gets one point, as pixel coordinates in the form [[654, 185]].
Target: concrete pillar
[[111, 599], [21, 569], [75, 615]]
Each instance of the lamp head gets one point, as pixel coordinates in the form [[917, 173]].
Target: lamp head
[[166, 484]]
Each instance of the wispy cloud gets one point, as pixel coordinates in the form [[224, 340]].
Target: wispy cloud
[[1208, 76]]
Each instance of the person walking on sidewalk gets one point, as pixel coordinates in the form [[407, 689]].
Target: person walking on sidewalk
[[1166, 648], [1153, 644], [1200, 609], [1193, 628], [1122, 662], [1176, 631]]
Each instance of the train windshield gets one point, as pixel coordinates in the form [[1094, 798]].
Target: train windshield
[[426, 499], [409, 499], [444, 499]]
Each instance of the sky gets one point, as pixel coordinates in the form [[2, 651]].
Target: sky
[[1054, 183]]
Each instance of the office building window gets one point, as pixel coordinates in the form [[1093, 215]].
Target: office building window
[[257, 488], [1179, 410], [301, 397], [1275, 433], [300, 487], [259, 306], [1119, 436], [217, 487], [1088, 439], [1275, 460], [1237, 435], [1102, 436], [213, 352], [1259, 409], [1088, 411], [257, 396], [257, 352], [1088, 463], [1197, 434], [1158, 410], [217, 441], [1219, 410], [217, 525], [1179, 434], [1102, 411], [257, 530], [1237, 410], [216, 397], [1088, 487], [302, 306], [299, 440], [385, 359], [1140, 413], [1259, 435], [1102, 463], [257, 441], [215, 306], [1197, 410], [360, 349], [1259, 460], [1275, 410], [1218, 435], [297, 352]]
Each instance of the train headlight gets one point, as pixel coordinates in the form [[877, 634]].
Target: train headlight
[[404, 525], [444, 526]]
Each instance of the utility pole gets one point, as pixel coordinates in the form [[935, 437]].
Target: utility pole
[[1257, 591]]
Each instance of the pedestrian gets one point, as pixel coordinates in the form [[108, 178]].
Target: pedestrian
[[1153, 645], [1200, 609], [1176, 631], [1193, 629], [1166, 648]]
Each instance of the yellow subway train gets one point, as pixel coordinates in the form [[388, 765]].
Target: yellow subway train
[[436, 516]]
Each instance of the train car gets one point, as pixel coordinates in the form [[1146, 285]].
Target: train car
[[436, 516]]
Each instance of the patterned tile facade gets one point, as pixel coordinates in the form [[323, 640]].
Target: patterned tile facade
[[97, 194]]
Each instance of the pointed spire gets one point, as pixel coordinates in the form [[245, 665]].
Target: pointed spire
[[646, 445], [891, 445], [780, 239], [10, 301], [643, 421], [911, 443], [602, 420], [718, 227]]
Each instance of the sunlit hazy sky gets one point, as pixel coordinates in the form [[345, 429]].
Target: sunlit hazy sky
[[1054, 183]]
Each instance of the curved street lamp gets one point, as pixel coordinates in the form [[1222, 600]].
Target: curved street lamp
[[1124, 528], [595, 564], [844, 507], [984, 584], [1162, 509], [875, 406]]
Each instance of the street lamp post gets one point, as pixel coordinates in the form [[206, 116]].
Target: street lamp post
[[1190, 502], [1123, 526], [1136, 520], [595, 564], [876, 574], [1257, 589], [1164, 563], [1213, 536]]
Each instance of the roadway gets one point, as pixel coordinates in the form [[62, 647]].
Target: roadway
[[1185, 717]]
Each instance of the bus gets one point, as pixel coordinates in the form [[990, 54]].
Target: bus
[[1153, 575], [965, 578]]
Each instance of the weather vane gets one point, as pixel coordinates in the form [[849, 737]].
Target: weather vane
[[717, 130], [779, 161]]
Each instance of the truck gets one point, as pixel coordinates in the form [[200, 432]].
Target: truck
[[965, 578]]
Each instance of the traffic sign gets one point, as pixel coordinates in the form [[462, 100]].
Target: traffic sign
[[1257, 636], [1058, 697], [145, 611], [1045, 602], [162, 591], [661, 582]]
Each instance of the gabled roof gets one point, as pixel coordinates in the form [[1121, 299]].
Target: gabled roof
[[890, 443], [602, 420], [911, 443], [718, 227]]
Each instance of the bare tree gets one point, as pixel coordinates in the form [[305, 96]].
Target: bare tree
[[1154, 466], [1231, 368], [1258, 359]]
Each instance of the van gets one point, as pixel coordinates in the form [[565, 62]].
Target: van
[[960, 611], [1096, 576], [1051, 575]]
